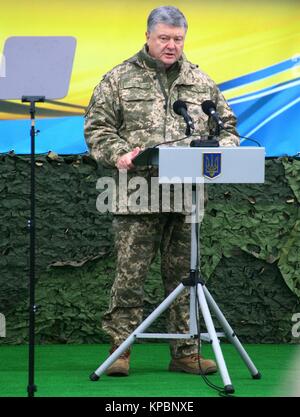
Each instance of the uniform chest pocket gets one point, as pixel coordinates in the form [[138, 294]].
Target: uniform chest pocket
[[138, 102], [194, 98]]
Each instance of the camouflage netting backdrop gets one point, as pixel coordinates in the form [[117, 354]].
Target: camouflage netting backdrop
[[250, 249]]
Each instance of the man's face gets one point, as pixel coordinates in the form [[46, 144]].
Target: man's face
[[166, 43]]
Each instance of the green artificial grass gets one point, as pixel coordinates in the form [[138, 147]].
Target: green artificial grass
[[63, 371]]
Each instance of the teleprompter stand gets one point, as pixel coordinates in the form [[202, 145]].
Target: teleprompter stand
[[31, 388], [37, 68], [183, 165]]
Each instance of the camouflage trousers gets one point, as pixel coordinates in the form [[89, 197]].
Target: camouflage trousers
[[138, 239]]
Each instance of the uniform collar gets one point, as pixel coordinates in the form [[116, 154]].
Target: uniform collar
[[154, 64], [142, 59]]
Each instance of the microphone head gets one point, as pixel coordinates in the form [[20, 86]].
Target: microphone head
[[208, 106], [178, 106]]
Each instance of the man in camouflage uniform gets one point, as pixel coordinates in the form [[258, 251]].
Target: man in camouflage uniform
[[131, 109]]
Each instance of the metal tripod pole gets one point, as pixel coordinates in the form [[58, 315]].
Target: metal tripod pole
[[231, 336], [31, 388], [197, 195], [138, 333]]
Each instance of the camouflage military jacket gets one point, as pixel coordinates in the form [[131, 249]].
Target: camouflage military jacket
[[133, 106]]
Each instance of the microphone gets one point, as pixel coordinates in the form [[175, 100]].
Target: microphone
[[180, 108], [209, 108]]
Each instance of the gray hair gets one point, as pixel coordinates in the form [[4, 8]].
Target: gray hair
[[169, 15]]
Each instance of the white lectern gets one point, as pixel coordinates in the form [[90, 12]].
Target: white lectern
[[195, 166]]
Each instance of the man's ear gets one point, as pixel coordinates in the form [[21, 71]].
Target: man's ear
[[147, 34]]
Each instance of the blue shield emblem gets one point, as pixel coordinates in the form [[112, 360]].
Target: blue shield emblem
[[211, 165]]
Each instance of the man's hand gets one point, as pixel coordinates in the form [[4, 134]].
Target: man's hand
[[125, 161]]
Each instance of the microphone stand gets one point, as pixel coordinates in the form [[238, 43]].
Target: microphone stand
[[210, 141], [189, 127], [188, 130]]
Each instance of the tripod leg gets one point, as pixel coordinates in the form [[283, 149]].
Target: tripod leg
[[140, 329], [231, 335], [228, 387], [193, 320]]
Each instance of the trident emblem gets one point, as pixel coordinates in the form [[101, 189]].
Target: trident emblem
[[211, 165]]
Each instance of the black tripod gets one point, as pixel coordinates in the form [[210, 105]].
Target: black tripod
[[31, 388]]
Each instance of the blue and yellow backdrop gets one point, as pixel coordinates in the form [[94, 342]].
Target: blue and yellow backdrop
[[251, 49]]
